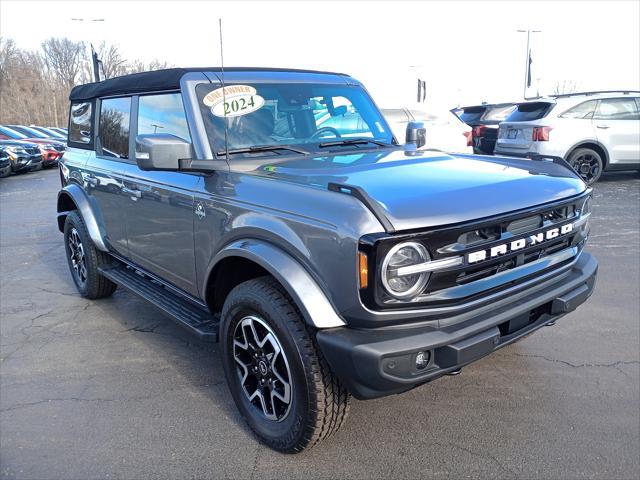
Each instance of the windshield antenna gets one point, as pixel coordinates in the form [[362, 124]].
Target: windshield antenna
[[224, 96]]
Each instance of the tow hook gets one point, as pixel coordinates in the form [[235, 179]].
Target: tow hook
[[453, 373], [551, 323]]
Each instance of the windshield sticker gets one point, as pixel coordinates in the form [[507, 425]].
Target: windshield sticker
[[234, 101]]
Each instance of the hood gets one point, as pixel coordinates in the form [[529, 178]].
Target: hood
[[17, 143], [425, 188], [43, 141]]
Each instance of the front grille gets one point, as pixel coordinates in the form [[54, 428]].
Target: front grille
[[32, 151], [460, 283]]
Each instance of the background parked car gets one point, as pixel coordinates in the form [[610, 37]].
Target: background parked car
[[484, 120], [50, 133], [593, 131], [51, 150], [63, 131], [24, 156], [445, 131], [5, 163]]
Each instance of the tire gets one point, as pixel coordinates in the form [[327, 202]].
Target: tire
[[81, 252], [587, 163], [318, 403]]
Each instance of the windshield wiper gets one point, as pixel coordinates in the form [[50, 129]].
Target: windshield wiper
[[263, 148], [353, 141]]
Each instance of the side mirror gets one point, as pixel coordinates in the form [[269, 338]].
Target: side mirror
[[161, 151], [416, 134]]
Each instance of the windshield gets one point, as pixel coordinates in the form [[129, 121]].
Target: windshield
[[293, 114], [27, 131], [11, 133]]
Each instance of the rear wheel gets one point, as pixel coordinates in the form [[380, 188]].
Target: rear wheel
[[588, 163], [279, 379], [85, 260]]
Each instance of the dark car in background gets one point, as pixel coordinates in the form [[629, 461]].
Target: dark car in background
[[49, 132], [5, 163], [484, 120], [50, 149], [24, 156]]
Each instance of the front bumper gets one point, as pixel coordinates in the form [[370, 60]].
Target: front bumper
[[377, 362], [21, 163]]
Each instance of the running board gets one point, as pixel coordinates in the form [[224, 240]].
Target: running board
[[196, 320]]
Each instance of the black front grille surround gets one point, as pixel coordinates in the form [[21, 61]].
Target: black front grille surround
[[461, 239]]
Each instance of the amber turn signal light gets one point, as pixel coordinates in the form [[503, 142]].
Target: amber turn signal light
[[363, 270]]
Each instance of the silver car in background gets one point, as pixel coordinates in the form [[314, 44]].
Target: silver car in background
[[593, 131], [445, 131]]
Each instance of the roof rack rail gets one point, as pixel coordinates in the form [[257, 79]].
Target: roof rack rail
[[595, 92]]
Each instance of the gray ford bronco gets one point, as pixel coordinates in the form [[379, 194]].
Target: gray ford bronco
[[275, 212]]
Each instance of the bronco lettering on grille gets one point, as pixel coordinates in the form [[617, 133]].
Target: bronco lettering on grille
[[519, 244]]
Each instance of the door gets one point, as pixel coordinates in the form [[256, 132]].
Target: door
[[103, 172], [617, 125], [160, 212]]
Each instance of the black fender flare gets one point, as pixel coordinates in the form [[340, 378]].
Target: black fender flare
[[83, 205]]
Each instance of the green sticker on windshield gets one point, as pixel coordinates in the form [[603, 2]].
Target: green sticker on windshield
[[233, 101]]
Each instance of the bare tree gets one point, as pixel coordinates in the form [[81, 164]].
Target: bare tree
[[565, 86], [35, 85], [64, 59]]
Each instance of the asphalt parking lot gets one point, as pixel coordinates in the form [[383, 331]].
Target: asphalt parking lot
[[111, 389]]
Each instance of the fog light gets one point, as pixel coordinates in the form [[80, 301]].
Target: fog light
[[422, 360]]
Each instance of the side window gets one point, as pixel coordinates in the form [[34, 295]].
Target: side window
[[162, 114], [80, 123], [113, 127], [583, 110], [617, 109]]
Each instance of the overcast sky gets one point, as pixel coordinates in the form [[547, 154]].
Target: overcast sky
[[467, 51]]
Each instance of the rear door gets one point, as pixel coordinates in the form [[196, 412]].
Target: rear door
[[516, 133], [617, 125], [160, 210]]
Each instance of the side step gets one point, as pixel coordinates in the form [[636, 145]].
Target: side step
[[197, 320]]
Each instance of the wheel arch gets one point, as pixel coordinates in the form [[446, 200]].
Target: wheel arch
[[72, 197], [593, 145], [245, 259]]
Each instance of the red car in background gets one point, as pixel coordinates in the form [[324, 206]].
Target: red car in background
[[51, 149]]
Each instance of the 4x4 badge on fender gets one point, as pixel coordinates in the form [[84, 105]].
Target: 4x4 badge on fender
[[200, 212]]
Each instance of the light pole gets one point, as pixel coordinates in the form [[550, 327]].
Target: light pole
[[526, 60], [94, 56], [156, 127]]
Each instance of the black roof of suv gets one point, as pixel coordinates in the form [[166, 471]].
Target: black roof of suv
[[167, 79]]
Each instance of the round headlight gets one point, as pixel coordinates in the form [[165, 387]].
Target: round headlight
[[399, 284]]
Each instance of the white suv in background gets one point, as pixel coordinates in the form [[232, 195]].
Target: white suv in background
[[445, 131], [593, 131]]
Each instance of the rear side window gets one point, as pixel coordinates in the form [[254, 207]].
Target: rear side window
[[582, 110], [113, 128], [617, 109], [163, 114], [526, 112], [471, 114], [498, 114], [80, 131]]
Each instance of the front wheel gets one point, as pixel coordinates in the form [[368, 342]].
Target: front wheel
[[588, 164], [278, 377], [85, 260]]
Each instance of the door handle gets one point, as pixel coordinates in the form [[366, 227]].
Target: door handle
[[92, 181], [604, 127], [133, 192]]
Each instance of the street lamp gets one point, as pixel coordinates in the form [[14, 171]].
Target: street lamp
[[526, 60], [94, 56], [156, 127]]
